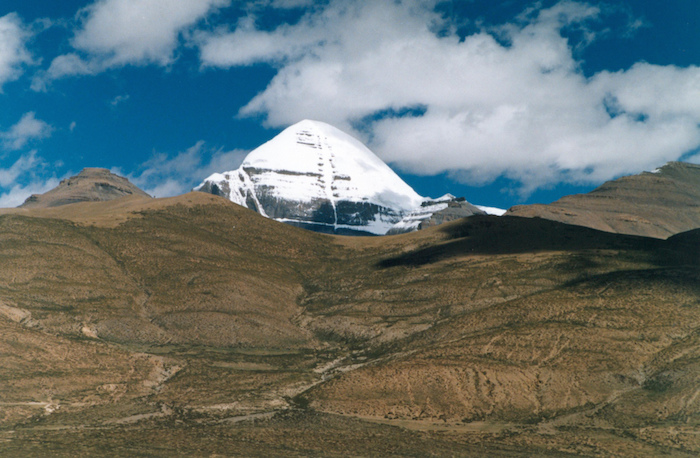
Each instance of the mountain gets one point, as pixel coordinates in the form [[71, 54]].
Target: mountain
[[653, 204], [193, 326], [315, 176], [90, 185]]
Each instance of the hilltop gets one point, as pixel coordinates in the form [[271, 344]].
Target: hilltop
[[90, 185]]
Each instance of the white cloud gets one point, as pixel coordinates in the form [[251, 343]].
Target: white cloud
[[247, 46], [26, 175], [62, 66], [13, 48], [114, 33], [28, 128], [510, 100], [138, 31], [289, 4], [164, 176]]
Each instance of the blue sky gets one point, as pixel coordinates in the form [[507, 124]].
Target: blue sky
[[501, 102]]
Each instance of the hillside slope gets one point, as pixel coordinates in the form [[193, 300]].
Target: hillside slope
[[195, 326]]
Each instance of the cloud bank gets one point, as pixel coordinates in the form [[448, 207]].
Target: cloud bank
[[510, 100]]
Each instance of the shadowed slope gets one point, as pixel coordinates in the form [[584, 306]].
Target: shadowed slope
[[510, 235]]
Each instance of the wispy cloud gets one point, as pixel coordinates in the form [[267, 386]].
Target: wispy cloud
[[164, 176], [28, 128], [509, 100], [23, 165], [27, 172], [14, 54], [61, 67], [118, 100]]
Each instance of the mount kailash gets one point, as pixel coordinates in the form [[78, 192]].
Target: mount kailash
[[315, 176]]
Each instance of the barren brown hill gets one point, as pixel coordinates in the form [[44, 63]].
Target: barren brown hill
[[193, 326], [90, 185], [653, 204]]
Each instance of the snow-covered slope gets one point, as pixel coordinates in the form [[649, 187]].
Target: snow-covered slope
[[434, 212], [492, 210], [316, 176]]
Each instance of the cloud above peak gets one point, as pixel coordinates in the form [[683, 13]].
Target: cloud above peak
[[509, 100], [506, 99]]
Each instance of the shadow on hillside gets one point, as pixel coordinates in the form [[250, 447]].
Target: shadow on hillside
[[512, 235], [673, 277]]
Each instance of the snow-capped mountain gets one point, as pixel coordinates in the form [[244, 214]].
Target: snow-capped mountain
[[315, 176], [318, 177]]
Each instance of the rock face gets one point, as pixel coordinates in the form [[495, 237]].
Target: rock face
[[90, 185], [435, 212], [315, 176], [653, 204]]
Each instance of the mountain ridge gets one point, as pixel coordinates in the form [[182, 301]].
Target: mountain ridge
[[654, 204]]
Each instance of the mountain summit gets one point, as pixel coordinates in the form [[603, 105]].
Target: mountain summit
[[90, 185], [315, 176]]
